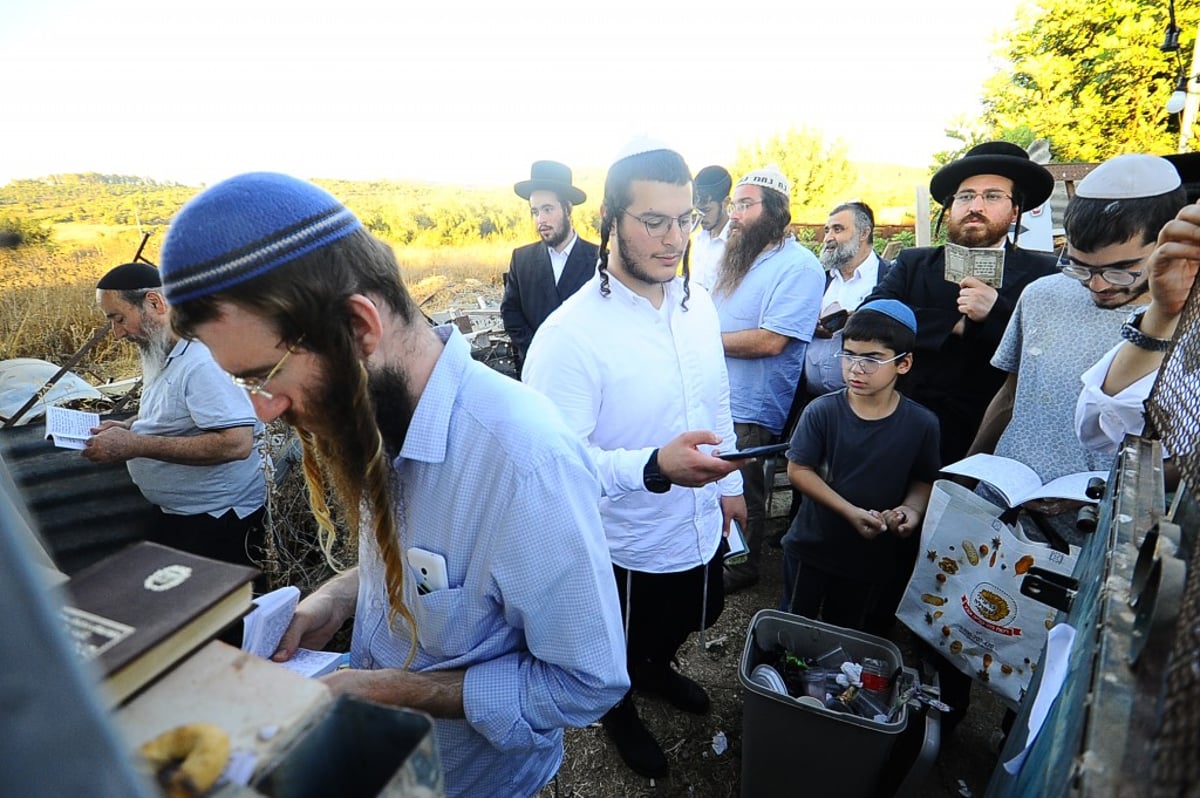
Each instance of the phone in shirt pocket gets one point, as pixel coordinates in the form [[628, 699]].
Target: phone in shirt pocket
[[431, 570]]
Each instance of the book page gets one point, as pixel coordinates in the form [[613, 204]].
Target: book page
[[1071, 486], [70, 429], [986, 265], [307, 662], [1012, 478], [264, 627]]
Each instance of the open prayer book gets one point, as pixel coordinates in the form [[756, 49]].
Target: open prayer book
[[1018, 483], [70, 429], [987, 265], [263, 628]]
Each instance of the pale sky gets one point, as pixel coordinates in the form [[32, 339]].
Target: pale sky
[[472, 91]]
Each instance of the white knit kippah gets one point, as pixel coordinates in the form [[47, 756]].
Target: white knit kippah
[[640, 144], [768, 177], [1132, 176]]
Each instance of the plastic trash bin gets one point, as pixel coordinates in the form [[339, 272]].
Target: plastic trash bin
[[791, 749]]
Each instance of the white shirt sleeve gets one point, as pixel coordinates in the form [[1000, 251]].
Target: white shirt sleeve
[[1103, 421]]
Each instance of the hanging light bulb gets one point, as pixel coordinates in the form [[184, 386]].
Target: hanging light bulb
[[1178, 97]]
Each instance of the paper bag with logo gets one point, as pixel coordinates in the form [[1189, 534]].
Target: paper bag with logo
[[965, 598]]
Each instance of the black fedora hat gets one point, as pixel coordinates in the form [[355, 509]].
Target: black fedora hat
[[550, 176], [1032, 181], [1188, 166]]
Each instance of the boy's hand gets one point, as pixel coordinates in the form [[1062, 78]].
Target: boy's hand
[[868, 523], [902, 521]]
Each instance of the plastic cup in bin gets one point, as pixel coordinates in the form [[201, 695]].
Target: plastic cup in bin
[[812, 681]]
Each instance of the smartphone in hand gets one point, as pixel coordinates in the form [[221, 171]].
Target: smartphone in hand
[[754, 451]]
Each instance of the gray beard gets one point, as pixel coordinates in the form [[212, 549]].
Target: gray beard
[[839, 256], [154, 356]]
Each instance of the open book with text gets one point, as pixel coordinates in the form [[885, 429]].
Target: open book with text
[[1018, 483], [264, 627], [70, 429], [987, 265]]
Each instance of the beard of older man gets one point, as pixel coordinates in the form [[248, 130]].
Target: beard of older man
[[153, 348], [745, 244]]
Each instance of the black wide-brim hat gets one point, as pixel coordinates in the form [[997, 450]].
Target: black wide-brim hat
[[1032, 181], [1188, 166], [550, 176]]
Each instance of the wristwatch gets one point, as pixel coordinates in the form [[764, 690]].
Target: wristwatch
[[1131, 331], [652, 478]]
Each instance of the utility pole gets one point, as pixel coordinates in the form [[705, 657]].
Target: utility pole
[[1191, 103]]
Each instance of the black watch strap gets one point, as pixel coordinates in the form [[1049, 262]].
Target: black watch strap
[[652, 478]]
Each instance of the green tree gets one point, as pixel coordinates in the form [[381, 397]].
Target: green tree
[[819, 171], [1089, 76]]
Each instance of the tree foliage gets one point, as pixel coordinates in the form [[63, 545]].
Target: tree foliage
[[820, 173], [1089, 76]]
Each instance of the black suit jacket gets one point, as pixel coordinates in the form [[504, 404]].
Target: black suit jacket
[[953, 375], [530, 294]]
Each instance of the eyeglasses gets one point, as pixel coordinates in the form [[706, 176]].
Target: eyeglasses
[[741, 206], [1118, 273], [658, 226], [256, 386], [865, 364], [989, 197]]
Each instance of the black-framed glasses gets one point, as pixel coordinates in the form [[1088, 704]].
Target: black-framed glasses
[[1117, 273], [865, 363], [741, 206], [257, 386], [989, 197], [658, 226]]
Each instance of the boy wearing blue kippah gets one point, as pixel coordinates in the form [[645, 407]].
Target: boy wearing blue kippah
[[865, 458]]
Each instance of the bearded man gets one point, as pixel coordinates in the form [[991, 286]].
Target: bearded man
[[483, 592], [190, 449], [959, 324], [852, 270], [541, 275], [768, 297]]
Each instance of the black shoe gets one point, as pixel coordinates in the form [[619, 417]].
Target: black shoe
[[633, 740], [739, 577], [671, 685]]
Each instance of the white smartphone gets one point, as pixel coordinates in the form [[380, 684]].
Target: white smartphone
[[431, 570]]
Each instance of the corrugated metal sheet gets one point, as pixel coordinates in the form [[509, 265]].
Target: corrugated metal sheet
[[84, 511]]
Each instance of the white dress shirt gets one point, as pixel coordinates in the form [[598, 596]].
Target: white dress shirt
[[705, 261], [849, 294], [628, 378], [558, 260]]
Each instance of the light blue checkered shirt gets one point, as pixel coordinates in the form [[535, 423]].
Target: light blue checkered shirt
[[490, 478]]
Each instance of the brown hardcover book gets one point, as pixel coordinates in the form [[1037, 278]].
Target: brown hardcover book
[[142, 610]]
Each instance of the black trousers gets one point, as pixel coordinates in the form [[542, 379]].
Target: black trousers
[[667, 608], [226, 537]]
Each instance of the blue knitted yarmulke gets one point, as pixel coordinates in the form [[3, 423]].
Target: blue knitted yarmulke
[[894, 309], [246, 226]]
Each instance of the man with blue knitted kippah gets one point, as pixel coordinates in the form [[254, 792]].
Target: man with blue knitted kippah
[[190, 449], [483, 592]]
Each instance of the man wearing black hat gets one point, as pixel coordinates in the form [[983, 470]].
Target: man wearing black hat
[[960, 323], [190, 450], [542, 275], [712, 187]]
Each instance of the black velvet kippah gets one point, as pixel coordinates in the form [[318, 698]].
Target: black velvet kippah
[[130, 277]]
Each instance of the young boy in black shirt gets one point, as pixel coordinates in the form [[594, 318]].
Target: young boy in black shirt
[[865, 458]]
